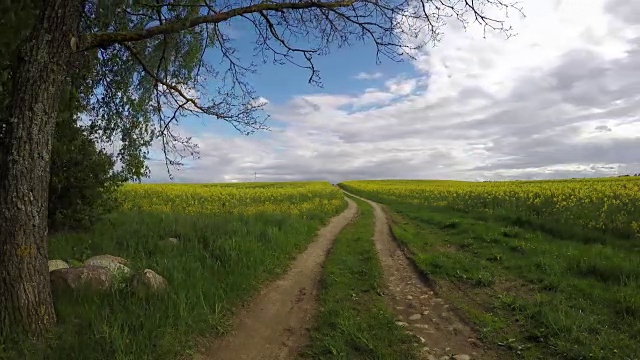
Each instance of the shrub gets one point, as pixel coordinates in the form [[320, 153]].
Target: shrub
[[83, 181]]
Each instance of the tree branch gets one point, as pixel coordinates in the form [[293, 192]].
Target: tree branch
[[170, 86], [106, 39]]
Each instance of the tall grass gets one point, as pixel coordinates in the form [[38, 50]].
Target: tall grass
[[220, 261]]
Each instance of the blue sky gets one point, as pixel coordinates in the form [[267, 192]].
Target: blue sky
[[560, 99], [281, 82]]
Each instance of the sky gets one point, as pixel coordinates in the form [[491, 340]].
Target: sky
[[559, 99]]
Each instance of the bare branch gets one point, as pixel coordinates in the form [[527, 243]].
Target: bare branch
[[106, 39]]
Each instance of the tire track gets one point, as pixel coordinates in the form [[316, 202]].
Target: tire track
[[440, 334], [275, 325]]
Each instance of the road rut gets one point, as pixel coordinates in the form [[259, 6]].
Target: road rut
[[276, 323], [439, 332]]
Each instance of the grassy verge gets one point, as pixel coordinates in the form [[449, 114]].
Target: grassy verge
[[538, 295], [354, 322], [220, 261]]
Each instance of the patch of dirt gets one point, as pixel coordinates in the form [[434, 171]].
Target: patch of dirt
[[275, 325], [440, 333]]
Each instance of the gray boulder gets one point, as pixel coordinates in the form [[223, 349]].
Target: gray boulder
[[110, 258], [57, 264], [93, 277], [114, 264], [148, 281]]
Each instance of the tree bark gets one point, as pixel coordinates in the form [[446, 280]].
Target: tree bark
[[39, 74]]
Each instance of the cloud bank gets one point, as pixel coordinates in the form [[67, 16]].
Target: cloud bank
[[561, 99]]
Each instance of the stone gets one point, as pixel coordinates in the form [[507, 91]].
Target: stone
[[148, 281], [459, 327], [474, 342], [111, 258], [422, 340], [461, 357], [421, 326], [93, 277], [409, 297], [57, 264], [415, 317], [401, 323], [425, 313], [446, 357], [112, 263], [454, 329]]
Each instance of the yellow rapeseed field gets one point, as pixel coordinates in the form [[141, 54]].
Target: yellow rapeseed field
[[297, 198], [607, 204]]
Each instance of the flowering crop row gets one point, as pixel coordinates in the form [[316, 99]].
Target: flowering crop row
[[296, 198], [606, 204]]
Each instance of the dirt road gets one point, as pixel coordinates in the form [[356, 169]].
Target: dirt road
[[440, 333], [275, 324]]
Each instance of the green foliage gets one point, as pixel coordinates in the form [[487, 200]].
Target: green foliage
[[83, 184], [83, 181], [119, 99], [16, 20], [128, 105]]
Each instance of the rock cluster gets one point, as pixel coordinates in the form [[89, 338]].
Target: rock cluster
[[101, 273]]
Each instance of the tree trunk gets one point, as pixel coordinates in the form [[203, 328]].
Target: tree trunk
[[39, 74]]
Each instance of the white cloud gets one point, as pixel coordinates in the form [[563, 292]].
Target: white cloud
[[561, 99], [368, 76], [400, 86]]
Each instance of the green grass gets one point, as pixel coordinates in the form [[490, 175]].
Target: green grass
[[539, 294], [354, 322], [220, 262]]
